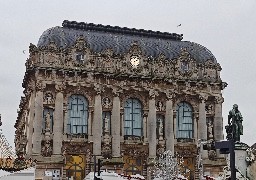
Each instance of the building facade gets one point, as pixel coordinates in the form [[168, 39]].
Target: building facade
[[120, 94]]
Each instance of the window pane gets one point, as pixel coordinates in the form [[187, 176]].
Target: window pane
[[133, 117], [77, 114], [184, 121]]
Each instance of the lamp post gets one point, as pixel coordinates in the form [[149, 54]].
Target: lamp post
[[228, 147]]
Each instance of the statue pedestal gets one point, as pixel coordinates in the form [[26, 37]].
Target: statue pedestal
[[241, 154]]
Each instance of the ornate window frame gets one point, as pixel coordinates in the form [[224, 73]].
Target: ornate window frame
[[81, 115], [132, 110], [185, 122]]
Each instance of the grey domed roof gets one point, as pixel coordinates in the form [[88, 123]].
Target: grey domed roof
[[100, 37]]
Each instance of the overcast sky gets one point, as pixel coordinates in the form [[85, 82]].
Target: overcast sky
[[227, 28]]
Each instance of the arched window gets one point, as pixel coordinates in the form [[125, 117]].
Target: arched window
[[77, 115], [184, 121], [132, 118]]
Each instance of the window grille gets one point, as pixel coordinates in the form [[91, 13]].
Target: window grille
[[184, 121], [77, 115], [133, 118]]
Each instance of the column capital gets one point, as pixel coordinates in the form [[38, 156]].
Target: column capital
[[98, 88], [170, 94], [60, 87], [218, 99], [40, 86], [202, 97], [117, 91], [152, 93]]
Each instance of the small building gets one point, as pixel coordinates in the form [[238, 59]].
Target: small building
[[123, 95]]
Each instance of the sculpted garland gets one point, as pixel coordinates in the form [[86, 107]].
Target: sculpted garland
[[132, 63]]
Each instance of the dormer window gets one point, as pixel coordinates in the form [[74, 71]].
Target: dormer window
[[184, 66], [80, 57]]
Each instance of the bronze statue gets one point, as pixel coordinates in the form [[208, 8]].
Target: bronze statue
[[235, 127]]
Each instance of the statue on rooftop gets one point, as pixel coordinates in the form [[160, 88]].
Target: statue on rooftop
[[235, 127]]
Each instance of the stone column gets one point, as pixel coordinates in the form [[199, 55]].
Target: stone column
[[218, 120], [145, 117], [30, 123], [152, 124], [202, 126], [122, 126], [58, 120], [65, 116], [115, 126], [90, 112], [97, 122], [169, 133], [38, 121]]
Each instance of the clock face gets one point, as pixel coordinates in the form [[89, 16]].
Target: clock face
[[135, 61]]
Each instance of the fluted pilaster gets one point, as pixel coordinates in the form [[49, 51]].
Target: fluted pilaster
[[202, 128], [97, 121], [58, 120], [169, 133], [38, 121], [152, 124], [30, 123], [218, 120], [115, 126]]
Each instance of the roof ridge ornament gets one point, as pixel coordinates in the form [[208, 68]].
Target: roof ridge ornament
[[121, 30]]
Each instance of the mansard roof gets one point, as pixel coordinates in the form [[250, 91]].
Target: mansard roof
[[101, 37]]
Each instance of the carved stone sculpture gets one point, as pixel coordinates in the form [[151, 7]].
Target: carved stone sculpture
[[235, 127]]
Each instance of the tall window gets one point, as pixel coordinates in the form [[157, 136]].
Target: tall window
[[184, 121], [77, 115], [47, 119], [132, 118]]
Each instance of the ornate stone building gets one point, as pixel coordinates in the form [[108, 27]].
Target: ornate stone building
[[123, 95]]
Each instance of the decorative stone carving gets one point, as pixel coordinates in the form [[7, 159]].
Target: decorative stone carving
[[48, 98], [152, 93], [186, 64], [48, 122], [250, 156], [160, 106], [203, 97], [60, 87], [80, 44], [219, 99], [160, 147], [98, 88], [210, 128], [51, 58], [40, 86], [135, 49], [47, 147], [209, 108], [189, 150], [76, 147], [106, 102], [117, 91], [134, 150], [161, 129], [170, 94], [106, 150], [90, 77], [212, 155]]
